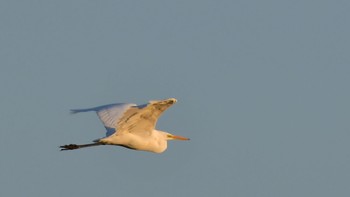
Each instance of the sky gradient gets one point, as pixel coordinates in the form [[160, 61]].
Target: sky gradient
[[262, 89]]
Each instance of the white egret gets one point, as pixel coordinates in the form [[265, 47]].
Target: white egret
[[131, 126]]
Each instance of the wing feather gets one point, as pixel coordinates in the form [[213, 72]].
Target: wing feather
[[108, 114], [128, 117], [143, 119]]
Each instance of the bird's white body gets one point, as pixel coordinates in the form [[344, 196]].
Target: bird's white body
[[131, 126], [156, 142]]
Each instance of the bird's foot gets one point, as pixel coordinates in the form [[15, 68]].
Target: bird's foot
[[69, 147]]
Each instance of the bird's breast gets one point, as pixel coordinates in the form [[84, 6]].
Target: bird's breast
[[129, 140]]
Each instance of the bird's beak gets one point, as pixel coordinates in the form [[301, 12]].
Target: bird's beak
[[177, 137]]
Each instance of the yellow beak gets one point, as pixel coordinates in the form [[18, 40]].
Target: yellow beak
[[177, 137]]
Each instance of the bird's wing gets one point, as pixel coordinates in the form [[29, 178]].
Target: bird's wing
[[111, 114], [142, 119]]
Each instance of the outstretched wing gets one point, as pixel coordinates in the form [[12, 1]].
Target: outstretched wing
[[109, 114], [128, 117], [143, 119]]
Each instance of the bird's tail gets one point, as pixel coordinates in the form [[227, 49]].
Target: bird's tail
[[77, 146]]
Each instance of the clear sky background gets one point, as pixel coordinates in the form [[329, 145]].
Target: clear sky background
[[262, 89]]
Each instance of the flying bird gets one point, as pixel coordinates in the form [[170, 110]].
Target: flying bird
[[131, 126]]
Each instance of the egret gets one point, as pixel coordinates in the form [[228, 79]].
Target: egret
[[131, 126]]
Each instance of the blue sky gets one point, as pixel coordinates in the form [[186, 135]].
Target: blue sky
[[262, 89]]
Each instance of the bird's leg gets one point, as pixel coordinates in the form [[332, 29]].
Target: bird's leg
[[77, 146]]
